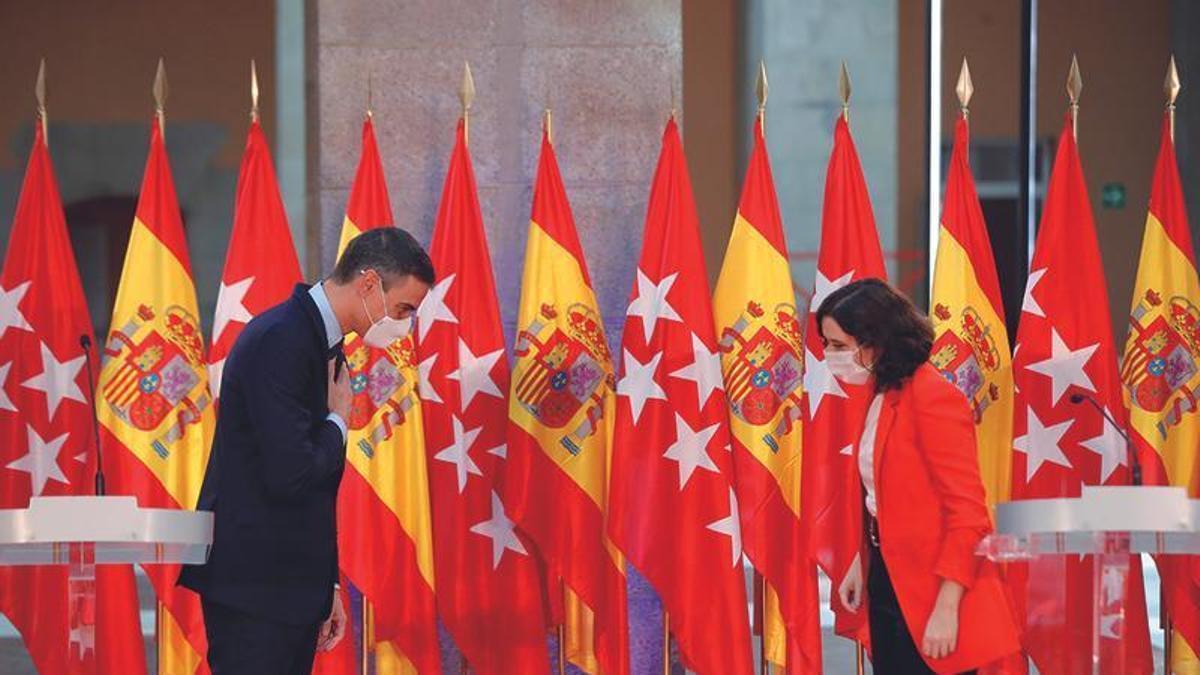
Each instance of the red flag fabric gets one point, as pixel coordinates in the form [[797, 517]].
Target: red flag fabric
[[1065, 347], [261, 266], [489, 589], [47, 445], [834, 413], [674, 510]]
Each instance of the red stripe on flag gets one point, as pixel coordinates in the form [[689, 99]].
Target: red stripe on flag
[[381, 561]]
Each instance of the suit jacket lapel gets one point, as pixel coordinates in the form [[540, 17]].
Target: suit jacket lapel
[[887, 417]]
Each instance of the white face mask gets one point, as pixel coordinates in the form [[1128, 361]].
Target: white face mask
[[846, 367], [386, 330]]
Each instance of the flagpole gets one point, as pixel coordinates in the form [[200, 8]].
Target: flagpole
[[760, 585], [253, 92], [666, 661], [1171, 88], [562, 631], [367, 637]]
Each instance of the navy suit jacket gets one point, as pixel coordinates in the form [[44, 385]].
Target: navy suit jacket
[[273, 473]]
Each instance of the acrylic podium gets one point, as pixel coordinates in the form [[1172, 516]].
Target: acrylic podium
[[1110, 523], [82, 532]]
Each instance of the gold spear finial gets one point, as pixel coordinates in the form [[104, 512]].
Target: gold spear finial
[[1074, 88], [370, 93], [160, 96], [965, 89], [466, 96], [548, 126], [761, 90], [844, 91], [39, 91], [253, 91], [1171, 88]]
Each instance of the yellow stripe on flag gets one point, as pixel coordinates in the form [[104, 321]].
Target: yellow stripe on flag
[[755, 269], [972, 343], [155, 312], [580, 633], [559, 277], [774, 629], [1163, 409]]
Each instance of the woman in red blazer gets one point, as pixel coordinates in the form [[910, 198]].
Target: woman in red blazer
[[932, 604]]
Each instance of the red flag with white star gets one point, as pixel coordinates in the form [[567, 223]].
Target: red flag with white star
[[261, 266], [833, 413], [674, 510], [47, 446], [489, 591], [1065, 347]]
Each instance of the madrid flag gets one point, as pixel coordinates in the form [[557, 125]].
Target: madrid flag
[[261, 266], [1065, 348], [761, 343], [971, 346], [384, 541], [155, 410], [489, 588], [833, 413], [674, 509], [46, 437], [1161, 373], [560, 412]]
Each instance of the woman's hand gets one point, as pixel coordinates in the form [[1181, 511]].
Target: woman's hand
[[941, 632], [850, 591]]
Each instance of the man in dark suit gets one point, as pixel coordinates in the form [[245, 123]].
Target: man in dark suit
[[268, 588]]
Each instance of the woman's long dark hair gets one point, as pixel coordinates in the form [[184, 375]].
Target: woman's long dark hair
[[882, 318]]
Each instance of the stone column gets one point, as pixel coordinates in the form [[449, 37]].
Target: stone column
[[606, 68]]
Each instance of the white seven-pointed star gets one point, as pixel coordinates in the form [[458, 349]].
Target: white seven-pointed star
[[651, 303], [639, 383], [500, 530], [729, 527], [433, 308], [215, 371], [825, 286], [1030, 304], [1110, 446], [819, 382], [474, 374], [690, 449], [41, 462], [704, 370], [5, 402], [10, 310], [458, 452], [57, 380], [231, 306], [424, 386], [1041, 444], [1065, 366]]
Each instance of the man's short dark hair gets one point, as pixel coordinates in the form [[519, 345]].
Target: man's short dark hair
[[390, 251]]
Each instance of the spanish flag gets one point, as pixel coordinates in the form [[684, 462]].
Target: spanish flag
[[156, 414], [384, 539], [971, 344], [560, 436], [761, 342], [1161, 374]]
